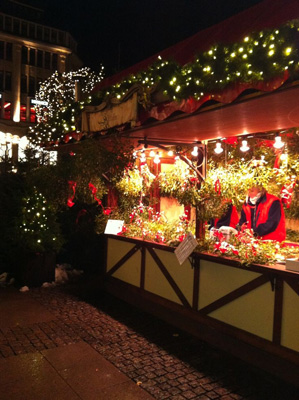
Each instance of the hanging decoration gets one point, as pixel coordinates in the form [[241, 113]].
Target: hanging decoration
[[94, 191], [72, 186]]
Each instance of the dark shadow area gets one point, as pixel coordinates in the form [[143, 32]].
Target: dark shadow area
[[212, 364]]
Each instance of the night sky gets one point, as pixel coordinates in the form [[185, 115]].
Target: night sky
[[120, 33]]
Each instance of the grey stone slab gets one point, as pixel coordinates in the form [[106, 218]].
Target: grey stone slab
[[85, 370], [31, 377], [19, 309]]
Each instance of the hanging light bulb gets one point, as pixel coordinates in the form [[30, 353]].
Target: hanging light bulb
[[152, 153], [170, 153], [195, 151], [157, 158], [244, 146], [278, 144], [218, 149], [142, 157]]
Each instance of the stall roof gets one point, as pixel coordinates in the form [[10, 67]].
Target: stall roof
[[264, 113], [267, 14]]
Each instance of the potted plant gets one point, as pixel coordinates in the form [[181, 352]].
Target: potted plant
[[37, 239]]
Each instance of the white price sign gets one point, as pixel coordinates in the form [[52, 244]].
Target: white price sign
[[114, 226], [185, 248]]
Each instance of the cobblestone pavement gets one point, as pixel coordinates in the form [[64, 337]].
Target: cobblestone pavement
[[166, 362]]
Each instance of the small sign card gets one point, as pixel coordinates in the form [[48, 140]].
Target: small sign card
[[184, 250], [114, 226]]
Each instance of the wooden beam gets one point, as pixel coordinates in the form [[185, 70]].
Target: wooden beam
[[278, 302], [196, 278], [142, 272], [228, 298], [169, 278], [123, 260]]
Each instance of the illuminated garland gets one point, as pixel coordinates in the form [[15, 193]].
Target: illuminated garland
[[258, 58]]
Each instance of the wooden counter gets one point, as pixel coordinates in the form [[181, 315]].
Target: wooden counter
[[251, 312]]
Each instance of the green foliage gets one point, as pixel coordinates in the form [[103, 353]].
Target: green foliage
[[147, 224], [136, 182], [292, 235], [259, 57], [12, 190], [38, 230]]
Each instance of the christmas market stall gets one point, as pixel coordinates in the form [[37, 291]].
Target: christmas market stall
[[209, 120]]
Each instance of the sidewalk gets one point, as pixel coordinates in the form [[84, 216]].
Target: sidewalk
[[74, 342], [42, 359]]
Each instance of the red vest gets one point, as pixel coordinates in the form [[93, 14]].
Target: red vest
[[262, 213]]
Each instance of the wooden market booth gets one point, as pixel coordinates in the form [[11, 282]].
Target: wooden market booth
[[252, 312]]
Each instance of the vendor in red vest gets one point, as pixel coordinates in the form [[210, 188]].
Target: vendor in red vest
[[229, 218], [264, 214]]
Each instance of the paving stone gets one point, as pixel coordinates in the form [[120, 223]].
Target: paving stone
[[168, 363]]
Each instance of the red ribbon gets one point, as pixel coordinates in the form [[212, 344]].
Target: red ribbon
[[72, 186], [218, 187], [94, 191]]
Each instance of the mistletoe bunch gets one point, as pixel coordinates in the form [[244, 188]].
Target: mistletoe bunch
[[136, 182], [244, 247], [146, 224]]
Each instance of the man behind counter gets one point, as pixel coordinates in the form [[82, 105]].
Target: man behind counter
[[264, 214]]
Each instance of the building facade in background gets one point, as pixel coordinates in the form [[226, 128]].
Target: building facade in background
[[29, 53]]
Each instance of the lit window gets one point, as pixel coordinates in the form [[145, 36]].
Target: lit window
[[7, 110], [32, 115], [23, 112]]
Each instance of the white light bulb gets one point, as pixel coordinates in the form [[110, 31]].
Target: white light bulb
[[170, 153], [195, 151], [152, 153], [244, 146], [142, 157], [218, 148], [278, 143]]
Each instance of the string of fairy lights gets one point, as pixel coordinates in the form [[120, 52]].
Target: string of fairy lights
[[59, 93], [259, 57], [35, 227]]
